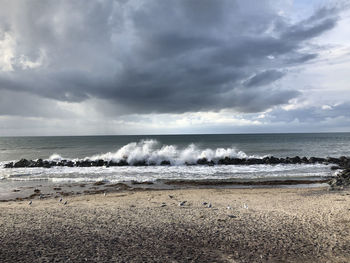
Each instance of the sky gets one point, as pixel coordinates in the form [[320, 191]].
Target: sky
[[174, 66]]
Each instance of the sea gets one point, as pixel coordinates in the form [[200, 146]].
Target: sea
[[180, 150]]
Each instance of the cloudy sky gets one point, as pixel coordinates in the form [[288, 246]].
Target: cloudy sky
[[174, 66]]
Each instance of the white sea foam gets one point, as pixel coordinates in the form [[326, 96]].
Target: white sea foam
[[152, 173], [150, 151], [55, 157]]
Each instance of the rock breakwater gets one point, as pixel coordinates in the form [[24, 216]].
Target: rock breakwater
[[338, 163]]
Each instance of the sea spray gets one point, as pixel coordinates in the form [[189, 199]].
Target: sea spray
[[151, 152]]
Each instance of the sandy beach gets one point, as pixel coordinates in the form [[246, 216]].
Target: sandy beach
[[242, 225]]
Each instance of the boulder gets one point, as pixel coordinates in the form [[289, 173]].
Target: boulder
[[341, 181], [21, 163], [165, 162], [252, 161], [8, 165], [202, 161]]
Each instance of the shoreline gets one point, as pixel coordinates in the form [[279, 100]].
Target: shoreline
[[242, 225], [28, 190]]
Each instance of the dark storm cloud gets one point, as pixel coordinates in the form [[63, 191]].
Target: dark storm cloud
[[264, 78], [158, 56]]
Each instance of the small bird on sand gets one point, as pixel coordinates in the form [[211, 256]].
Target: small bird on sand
[[228, 207], [65, 202], [245, 206], [104, 194], [61, 200], [209, 205], [204, 203], [30, 202], [41, 196]]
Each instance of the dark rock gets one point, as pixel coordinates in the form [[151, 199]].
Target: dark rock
[[271, 160], [165, 162], [98, 163], [251, 161], [46, 164], [140, 163], [333, 160], [123, 163], [202, 161], [39, 163], [295, 159], [233, 161], [83, 163], [9, 165], [304, 160], [21, 163], [341, 180]]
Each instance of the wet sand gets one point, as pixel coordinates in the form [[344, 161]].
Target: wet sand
[[262, 225]]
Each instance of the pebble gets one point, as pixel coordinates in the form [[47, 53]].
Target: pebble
[[182, 203]]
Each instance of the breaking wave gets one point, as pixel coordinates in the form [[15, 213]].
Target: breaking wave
[[152, 152]]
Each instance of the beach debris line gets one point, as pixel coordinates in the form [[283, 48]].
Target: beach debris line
[[268, 160]]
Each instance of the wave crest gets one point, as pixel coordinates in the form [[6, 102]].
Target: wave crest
[[151, 152]]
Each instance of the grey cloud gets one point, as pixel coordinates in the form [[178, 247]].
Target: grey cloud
[[312, 114], [158, 56], [264, 78], [29, 105]]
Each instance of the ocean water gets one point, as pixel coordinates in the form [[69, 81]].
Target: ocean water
[[178, 149]]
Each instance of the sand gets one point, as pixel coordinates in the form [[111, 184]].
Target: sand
[[262, 225]]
